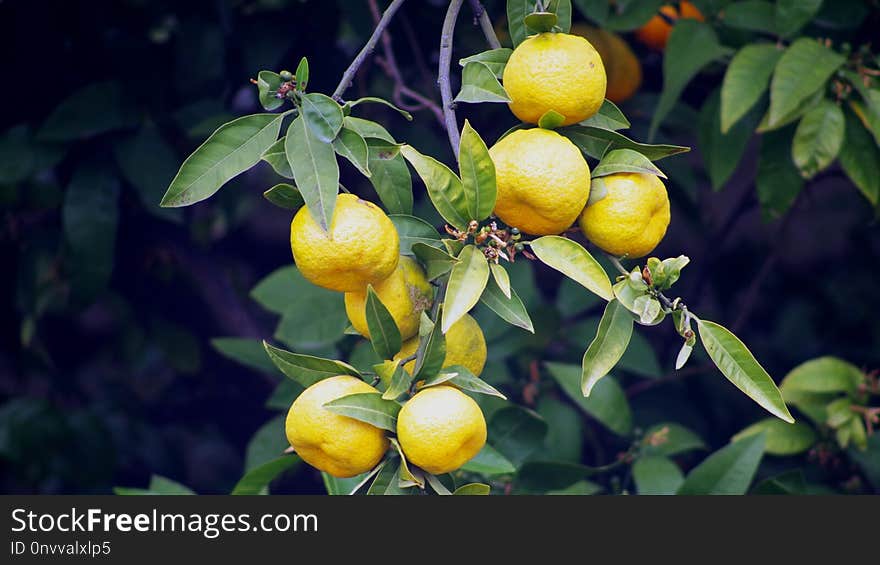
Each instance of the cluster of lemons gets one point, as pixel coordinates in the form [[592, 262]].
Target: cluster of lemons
[[543, 187]]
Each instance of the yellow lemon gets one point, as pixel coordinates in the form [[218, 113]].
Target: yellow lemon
[[360, 248], [406, 294], [336, 444], [465, 346], [621, 65], [440, 429], [632, 217], [543, 181], [555, 71]]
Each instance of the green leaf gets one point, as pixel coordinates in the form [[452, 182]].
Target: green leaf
[[267, 443], [792, 15], [860, 159], [353, 147], [572, 260], [818, 138], [277, 158], [92, 110], [516, 432], [158, 485], [692, 45], [502, 279], [268, 84], [444, 187], [746, 79], [781, 438], [668, 439], [489, 462], [436, 261], [625, 161], [430, 354], [565, 430], [479, 84], [609, 345], [540, 22], [804, 67], [248, 352], [406, 476], [477, 174], [551, 120], [377, 100], [823, 375], [465, 380], [737, 363], [511, 309], [302, 75], [232, 149], [495, 59], [869, 112], [722, 152], [727, 471], [608, 117], [790, 482], [562, 9], [517, 10], [635, 15], [384, 333], [802, 108], [258, 478], [412, 230], [656, 475], [595, 141], [368, 129], [367, 407], [778, 181], [539, 477], [148, 163], [607, 402], [472, 489], [306, 369], [752, 15], [398, 383], [323, 116], [390, 176], [315, 170], [285, 196], [467, 281], [683, 355]]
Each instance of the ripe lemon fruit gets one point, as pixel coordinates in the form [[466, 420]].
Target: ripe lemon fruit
[[440, 429], [543, 181], [621, 65], [632, 217], [336, 444], [555, 71], [465, 346], [360, 248], [656, 32], [406, 294]]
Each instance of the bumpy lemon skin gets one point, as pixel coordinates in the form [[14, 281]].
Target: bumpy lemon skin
[[543, 181], [440, 429], [622, 67], [632, 217], [555, 71], [336, 444], [465, 346], [406, 294], [360, 248]]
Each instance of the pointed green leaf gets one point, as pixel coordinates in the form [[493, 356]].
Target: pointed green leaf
[[607, 402], [792, 15], [412, 230], [595, 141], [436, 261], [489, 462], [267, 86], [746, 79], [323, 115], [353, 147], [246, 351], [778, 181], [823, 375], [368, 129], [430, 354], [737, 363], [782, 438], [306, 369], [277, 158], [472, 489], [668, 439], [802, 69], [727, 471], [479, 84], [302, 74], [656, 475], [683, 355], [315, 170], [517, 10], [512, 309], [477, 174], [551, 119], [495, 59], [232, 149], [516, 432], [572, 260], [406, 476], [818, 138], [398, 383], [609, 345], [384, 333], [502, 279], [367, 407], [390, 177], [377, 100], [466, 380], [608, 117], [466, 283], [540, 22], [625, 161], [860, 159], [258, 478], [722, 152], [284, 195], [444, 187]]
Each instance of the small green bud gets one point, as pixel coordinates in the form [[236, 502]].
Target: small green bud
[[286, 76], [516, 237], [514, 231], [519, 247]]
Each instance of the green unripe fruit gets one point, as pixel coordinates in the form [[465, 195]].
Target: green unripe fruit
[[286, 76]]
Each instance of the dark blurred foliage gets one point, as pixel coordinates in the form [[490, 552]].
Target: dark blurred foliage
[[107, 373]]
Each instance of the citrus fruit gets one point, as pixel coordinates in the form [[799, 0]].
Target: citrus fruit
[[336, 444], [465, 346], [360, 248], [440, 429], [656, 32], [621, 65], [555, 71], [631, 218], [406, 294], [543, 181]]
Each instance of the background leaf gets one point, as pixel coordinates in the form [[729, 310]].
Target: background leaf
[[801, 71], [607, 402], [818, 138], [727, 471], [860, 159], [489, 462], [722, 152], [746, 79], [781, 438], [258, 478], [656, 475], [778, 181], [516, 433]]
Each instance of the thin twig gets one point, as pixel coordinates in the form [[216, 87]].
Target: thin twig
[[446, 36], [352, 69], [485, 22]]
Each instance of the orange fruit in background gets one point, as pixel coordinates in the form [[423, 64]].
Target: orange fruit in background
[[622, 67], [656, 32]]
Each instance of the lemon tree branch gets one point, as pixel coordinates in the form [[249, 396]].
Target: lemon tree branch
[[482, 18], [443, 74]]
